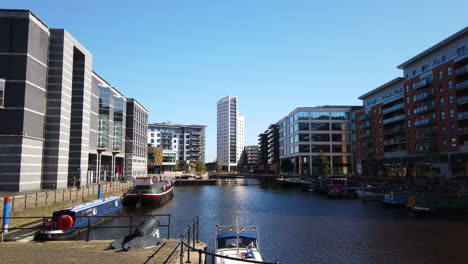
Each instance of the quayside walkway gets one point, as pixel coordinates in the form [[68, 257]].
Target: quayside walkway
[[96, 251]]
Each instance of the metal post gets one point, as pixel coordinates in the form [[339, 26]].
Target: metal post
[[181, 249], [99, 191], [198, 228], [89, 224], [169, 227], [6, 214], [193, 235], [69, 190], [46, 197], [188, 243], [55, 196], [199, 256], [63, 195], [25, 201], [131, 223], [36, 199]]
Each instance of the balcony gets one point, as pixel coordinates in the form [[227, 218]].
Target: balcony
[[393, 108], [463, 100], [363, 117], [425, 135], [394, 141], [423, 96], [462, 70], [426, 147], [462, 115], [461, 85], [394, 130], [366, 135], [393, 119], [366, 125], [422, 83], [463, 131], [423, 122], [424, 109]]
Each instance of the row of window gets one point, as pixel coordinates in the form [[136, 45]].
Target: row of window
[[319, 116], [319, 148]]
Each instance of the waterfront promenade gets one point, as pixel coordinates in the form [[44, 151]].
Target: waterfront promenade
[[90, 252]]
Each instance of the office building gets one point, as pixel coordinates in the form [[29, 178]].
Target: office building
[[136, 141], [308, 131], [230, 133], [61, 122]]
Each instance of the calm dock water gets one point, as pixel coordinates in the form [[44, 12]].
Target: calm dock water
[[300, 227]]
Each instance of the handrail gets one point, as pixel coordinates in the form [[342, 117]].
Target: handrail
[[42, 219]]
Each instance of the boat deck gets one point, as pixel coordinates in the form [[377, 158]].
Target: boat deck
[[88, 252]]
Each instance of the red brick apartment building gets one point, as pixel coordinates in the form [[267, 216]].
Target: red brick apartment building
[[417, 125]]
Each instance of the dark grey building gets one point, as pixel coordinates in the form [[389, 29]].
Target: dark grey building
[[263, 152], [273, 148], [61, 122], [23, 70], [136, 146]]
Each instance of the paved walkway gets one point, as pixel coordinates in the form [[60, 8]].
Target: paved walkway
[[86, 252]]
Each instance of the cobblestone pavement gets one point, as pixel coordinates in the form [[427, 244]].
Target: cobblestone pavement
[[84, 252]]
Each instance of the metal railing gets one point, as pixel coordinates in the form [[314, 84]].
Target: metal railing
[[187, 244], [38, 225]]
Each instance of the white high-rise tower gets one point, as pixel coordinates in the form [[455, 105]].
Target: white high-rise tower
[[230, 133]]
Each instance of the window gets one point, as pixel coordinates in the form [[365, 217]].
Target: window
[[450, 99], [320, 115], [152, 140], [2, 92], [442, 101], [452, 113], [441, 88], [461, 51], [409, 123], [443, 129], [444, 142], [159, 135], [440, 74], [340, 126], [407, 100], [320, 126], [452, 125], [449, 70], [407, 88], [152, 134], [320, 137], [449, 84], [442, 115], [454, 142], [340, 115]]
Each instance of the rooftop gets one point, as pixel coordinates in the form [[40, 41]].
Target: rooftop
[[172, 125], [382, 87], [434, 48], [23, 11]]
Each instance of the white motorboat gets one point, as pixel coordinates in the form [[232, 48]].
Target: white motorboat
[[237, 242]]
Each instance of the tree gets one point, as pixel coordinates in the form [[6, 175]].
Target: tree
[[200, 166], [217, 166], [287, 165], [324, 168]]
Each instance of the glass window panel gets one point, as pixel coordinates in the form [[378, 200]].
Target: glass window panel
[[320, 126], [320, 115]]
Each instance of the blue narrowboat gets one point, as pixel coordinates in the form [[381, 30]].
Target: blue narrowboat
[[399, 198], [69, 221]]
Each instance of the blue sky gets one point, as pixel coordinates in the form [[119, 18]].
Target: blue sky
[[179, 57]]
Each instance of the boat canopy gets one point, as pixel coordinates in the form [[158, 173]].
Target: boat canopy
[[234, 235]]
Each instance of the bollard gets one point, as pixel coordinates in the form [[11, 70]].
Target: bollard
[[99, 194], [6, 214]]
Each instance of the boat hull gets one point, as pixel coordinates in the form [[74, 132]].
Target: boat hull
[[158, 199]]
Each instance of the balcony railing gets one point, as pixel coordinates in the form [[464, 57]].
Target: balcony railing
[[394, 119], [393, 108], [423, 122], [394, 141], [422, 83], [363, 117], [463, 131], [366, 125], [461, 85], [463, 100], [423, 96], [462, 70], [462, 115], [424, 109], [365, 135], [394, 130], [425, 135]]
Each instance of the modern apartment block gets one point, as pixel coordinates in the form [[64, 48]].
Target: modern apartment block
[[307, 131], [180, 143], [230, 133], [250, 157], [60, 120], [273, 148], [416, 125], [263, 151], [136, 146]]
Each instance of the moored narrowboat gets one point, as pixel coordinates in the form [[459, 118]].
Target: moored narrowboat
[[70, 221], [149, 192], [438, 204], [399, 198]]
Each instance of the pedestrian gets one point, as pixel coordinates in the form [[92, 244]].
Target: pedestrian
[[74, 181], [78, 183]]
